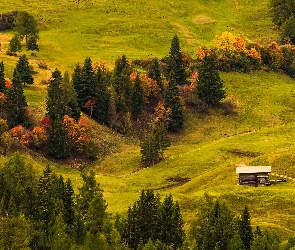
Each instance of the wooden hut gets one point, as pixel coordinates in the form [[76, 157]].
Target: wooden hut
[[253, 175]]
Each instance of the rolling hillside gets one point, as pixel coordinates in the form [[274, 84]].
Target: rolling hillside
[[203, 158]]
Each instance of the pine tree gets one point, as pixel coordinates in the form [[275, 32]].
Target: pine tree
[[173, 102], [15, 44], [209, 85], [32, 44], [245, 229], [55, 110], [102, 96], [23, 68], [137, 103], [154, 72], [175, 62], [68, 202], [15, 103], [2, 77], [170, 224], [141, 222], [60, 239], [70, 98]]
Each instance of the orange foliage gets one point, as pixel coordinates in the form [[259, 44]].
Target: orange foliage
[[240, 44], [78, 133], [274, 46], [202, 52], [133, 76], [161, 114], [20, 133], [150, 87], [253, 53], [38, 136], [8, 83], [2, 99]]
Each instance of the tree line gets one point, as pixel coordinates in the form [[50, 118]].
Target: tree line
[[44, 212]]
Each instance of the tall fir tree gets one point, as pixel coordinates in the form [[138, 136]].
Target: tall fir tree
[[15, 44], [24, 70], [210, 87], [2, 77], [70, 98], [175, 62], [141, 222], [170, 224], [245, 229], [174, 103], [102, 96], [15, 102], [55, 110], [154, 72], [137, 101]]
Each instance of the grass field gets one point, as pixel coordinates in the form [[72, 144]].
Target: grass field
[[261, 132]]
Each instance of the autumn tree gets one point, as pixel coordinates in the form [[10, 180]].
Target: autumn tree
[[2, 77], [26, 26], [210, 87], [15, 102], [155, 139], [175, 62], [24, 70], [174, 103], [55, 110], [15, 44]]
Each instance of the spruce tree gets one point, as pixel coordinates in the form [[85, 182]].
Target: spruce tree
[[32, 44], [173, 102], [15, 44], [102, 96], [15, 103], [140, 225], [245, 229], [2, 77], [154, 72], [70, 98], [68, 202], [55, 110], [210, 87], [137, 103], [24, 70], [170, 224], [175, 62]]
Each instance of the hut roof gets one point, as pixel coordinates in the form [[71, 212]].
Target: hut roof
[[253, 169]]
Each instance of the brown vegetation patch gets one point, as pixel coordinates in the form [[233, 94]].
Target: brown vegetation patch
[[177, 181], [239, 152], [203, 19]]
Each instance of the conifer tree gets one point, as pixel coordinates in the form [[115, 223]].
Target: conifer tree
[[102, 96], [173, 102], [60, 239], [15, 44], [141, 222], [15, 103], [70, 98], [209, 85], [154, 72], [245, 229], [24, 70], [91, 205], [32, 44], [137, 103], [68, 202], [170, 224], [175, 62], [55, 110], [2, 77]]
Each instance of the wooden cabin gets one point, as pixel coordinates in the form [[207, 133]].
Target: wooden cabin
[[254, 175]]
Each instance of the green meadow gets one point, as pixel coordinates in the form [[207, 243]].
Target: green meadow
[[204, 156]]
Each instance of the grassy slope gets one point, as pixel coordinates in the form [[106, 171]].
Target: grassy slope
[[264, 123]]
